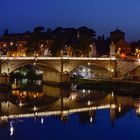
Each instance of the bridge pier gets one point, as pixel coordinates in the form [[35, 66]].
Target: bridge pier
[[4, 73], [54, 77]]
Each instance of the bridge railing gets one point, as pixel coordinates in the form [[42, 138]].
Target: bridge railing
[[55, 58]]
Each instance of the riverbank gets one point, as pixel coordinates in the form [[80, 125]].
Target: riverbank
[[56, 84], [122, 86], [4, 87]]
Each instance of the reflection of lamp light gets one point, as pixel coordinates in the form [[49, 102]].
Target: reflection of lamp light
[[112, 94], [20, 104], [89, 102], [34, 108], [11, 129], [119, 108], [42, 120], [91, 119], [138, 110]]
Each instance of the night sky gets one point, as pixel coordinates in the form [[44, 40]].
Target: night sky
[[101, 15]]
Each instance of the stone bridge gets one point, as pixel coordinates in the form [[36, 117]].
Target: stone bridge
[[56, 69]]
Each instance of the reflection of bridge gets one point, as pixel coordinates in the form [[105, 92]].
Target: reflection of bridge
[[58, 112], [65, 106], [53, 67], [62, 107]]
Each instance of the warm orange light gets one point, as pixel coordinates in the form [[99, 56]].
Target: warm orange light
[[123, 55]]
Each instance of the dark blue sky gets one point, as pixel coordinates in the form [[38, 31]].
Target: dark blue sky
[[101, 15]]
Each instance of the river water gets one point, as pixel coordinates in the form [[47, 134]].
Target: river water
[[32, 111]]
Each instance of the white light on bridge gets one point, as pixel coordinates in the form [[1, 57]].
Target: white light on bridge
[[74, 73], [55, 58], [73, 97], [84, 70], [112, 70]]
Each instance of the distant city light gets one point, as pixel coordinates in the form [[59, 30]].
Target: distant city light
[[89, 91], [88, 63], [11, 43], [84, 90]]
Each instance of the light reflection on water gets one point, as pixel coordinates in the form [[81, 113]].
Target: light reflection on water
[[33, 111]]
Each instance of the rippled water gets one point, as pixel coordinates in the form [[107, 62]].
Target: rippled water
[[41, 112]]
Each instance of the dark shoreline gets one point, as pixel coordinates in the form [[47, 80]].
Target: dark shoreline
[[118, 86], [121, 86]]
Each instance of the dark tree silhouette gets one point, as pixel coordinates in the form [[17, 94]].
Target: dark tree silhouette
[[6, 32], [39, 29]]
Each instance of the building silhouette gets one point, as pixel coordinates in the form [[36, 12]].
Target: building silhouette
[[117, 35]]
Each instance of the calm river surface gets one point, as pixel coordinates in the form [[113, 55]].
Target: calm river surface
[[34, 112]]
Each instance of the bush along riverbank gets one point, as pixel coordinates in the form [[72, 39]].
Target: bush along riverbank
[[122, 86]]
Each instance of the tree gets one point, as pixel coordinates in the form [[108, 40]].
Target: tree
[[86, 37], [33, 44], [59, 41], [39, 29], [6, 32]]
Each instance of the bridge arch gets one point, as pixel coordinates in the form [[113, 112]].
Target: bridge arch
[[90, 65], [133, 73], [41, 66], [91, 71]]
